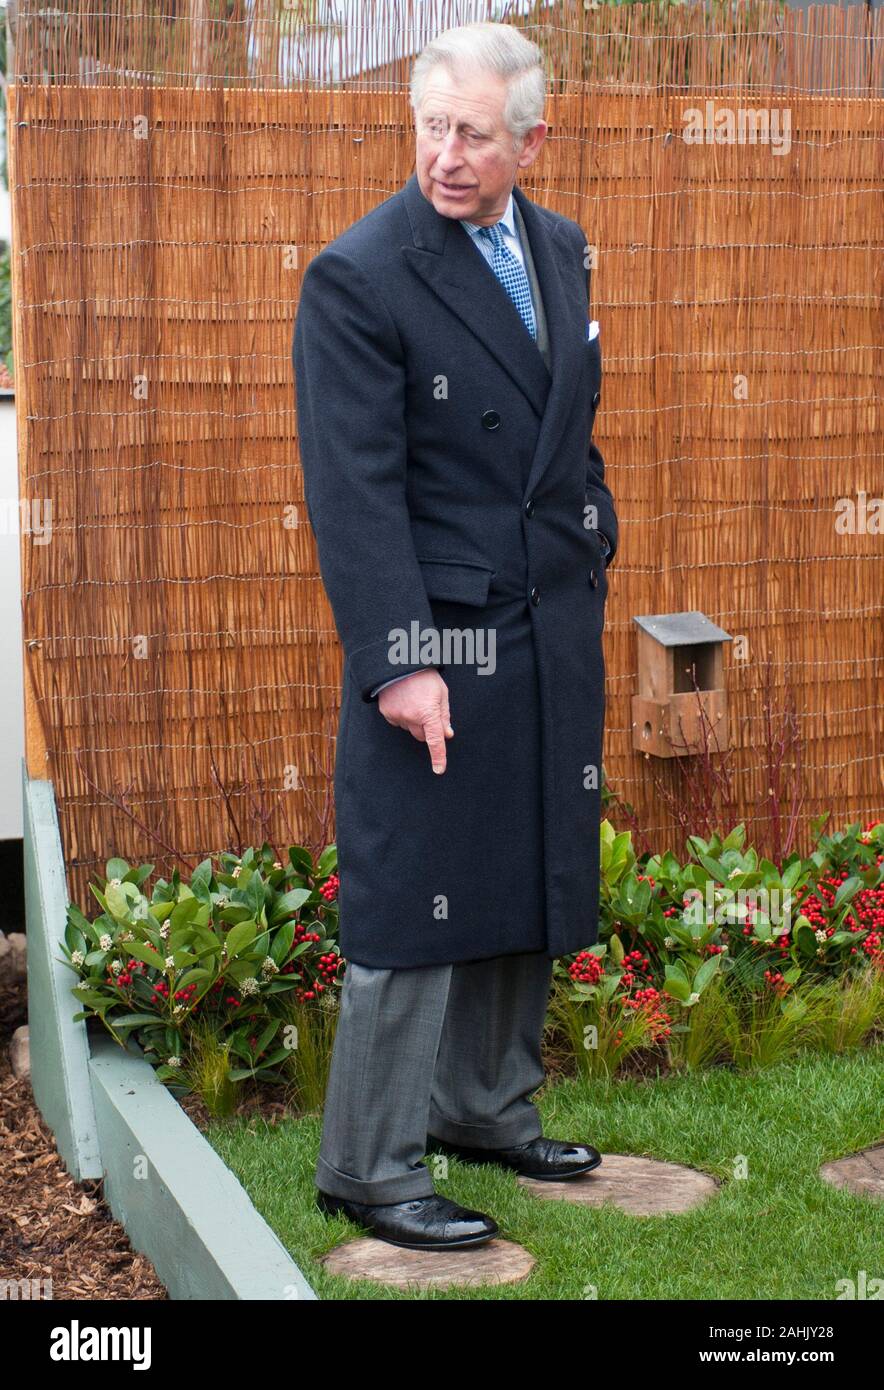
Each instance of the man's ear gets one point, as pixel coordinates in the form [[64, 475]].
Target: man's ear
[[532, 144]]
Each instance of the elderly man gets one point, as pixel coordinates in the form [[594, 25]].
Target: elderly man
[[447, 381]]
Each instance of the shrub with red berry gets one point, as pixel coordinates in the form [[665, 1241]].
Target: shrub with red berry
[[669, 928], [231, 949]]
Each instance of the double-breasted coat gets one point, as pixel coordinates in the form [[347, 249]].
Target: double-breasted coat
[[456, 497]]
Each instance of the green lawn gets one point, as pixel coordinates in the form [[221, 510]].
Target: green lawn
[[780, 1233]]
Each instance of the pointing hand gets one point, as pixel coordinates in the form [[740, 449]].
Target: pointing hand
[[419, 703]]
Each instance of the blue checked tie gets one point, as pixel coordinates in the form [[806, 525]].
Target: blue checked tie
[[511, 274]]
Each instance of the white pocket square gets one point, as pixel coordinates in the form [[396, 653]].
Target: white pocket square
[[592, 330]]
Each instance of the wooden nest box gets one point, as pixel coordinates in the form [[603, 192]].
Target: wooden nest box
[[680, 685]]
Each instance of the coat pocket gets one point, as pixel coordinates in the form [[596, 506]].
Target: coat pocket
[[459, 581]]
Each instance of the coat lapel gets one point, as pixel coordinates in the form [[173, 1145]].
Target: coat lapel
[[445, 258], [566, 325]]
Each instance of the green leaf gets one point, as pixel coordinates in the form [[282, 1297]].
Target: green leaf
[[713, 868], [676, 981], [203, 873], [708, 969], [280, 1055], [209, 950], [99, 896], [805, 941], [117, 903], [235, 912], [182, 940], [254, 894], [198, 973], [74, 938], [289, 902], [282, 942], [680, 934], [301, 860], [184, 911], [269, 1074], [793, 1006], [328, 861], [141, 951], [848, 889], [581, 990], [116, 868], [183, 958], [265, 1036], [261, 945], [91, 996], [608, 985], [77, 919], [736, 839], [240, 937], [792, 873], [165, 1073]]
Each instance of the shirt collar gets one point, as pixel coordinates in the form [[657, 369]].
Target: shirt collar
[[507, 221]]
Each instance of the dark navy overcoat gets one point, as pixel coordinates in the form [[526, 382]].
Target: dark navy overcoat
[[455, 494]]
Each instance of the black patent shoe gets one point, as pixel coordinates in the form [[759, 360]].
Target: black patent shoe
[[547, 1160], [423, 1223]]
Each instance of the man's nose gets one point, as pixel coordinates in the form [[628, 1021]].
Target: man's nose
[[449, 155]]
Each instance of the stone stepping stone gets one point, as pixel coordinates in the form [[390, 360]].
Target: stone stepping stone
[[639, 1186], [496, 1262], [861, 1173]]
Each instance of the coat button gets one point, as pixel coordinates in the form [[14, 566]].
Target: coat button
[[596, 398], [535, 595], [593, 579], [529, 507], [491, 419]]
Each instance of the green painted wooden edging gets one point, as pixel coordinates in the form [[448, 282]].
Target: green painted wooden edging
[[59, 1047], [179, 1203]]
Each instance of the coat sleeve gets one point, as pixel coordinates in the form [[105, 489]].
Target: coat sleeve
[[597, 490], [350, 389]]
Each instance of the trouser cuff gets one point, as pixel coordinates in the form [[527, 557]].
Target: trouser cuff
[[518, 1131], [402, 1188]]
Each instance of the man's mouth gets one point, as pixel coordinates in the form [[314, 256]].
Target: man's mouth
[[453, 187]]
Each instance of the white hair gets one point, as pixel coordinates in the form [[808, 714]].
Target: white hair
[[497, 48]]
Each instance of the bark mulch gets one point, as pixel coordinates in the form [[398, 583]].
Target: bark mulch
[[52, 1228]]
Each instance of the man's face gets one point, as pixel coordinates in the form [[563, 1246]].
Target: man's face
[[465, 161]]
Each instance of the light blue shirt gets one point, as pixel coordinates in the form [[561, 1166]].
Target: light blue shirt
[[510, 235]]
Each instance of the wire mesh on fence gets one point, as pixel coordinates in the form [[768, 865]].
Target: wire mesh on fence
[[172, 175]]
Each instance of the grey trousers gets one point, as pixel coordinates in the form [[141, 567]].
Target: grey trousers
[[447, 1050]]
